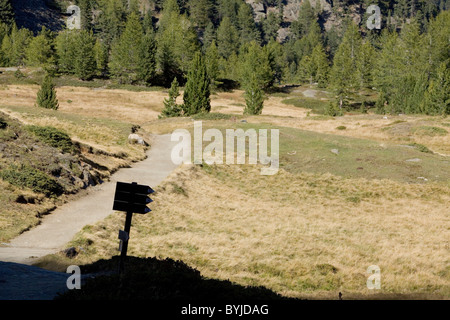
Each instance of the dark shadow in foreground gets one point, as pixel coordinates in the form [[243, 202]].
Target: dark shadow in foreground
[[153, 279]]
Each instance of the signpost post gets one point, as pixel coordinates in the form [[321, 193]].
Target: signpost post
[[130, 198]]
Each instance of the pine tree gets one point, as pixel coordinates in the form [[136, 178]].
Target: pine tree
[[101, 57], [255, 62], [3, 32], [171, 109], [437, 96], [85, 64], [197, 90], [306, 69], [254, 97], [321, 65], [275, 53], [271, 25], [227, 38], [46, 96], [229, 9], [86, 13], [147, 65], [40, 51], [14, 46], [247, 28], [306, 17], [209, 36], [177, 42], [365, 64], [112, 19], [343, 75], [212, 63], [126, 52], [6, 12], [200, 11], [66, 50]]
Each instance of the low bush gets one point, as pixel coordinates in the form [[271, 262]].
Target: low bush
[[24, 176], [3, 124], [53, 137]]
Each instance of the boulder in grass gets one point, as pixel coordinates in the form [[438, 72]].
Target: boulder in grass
[[137, 139]]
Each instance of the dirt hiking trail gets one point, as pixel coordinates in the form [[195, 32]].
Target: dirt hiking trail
[[58, 228]]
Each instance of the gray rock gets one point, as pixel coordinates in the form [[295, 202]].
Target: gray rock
[[413, 160], [135, 138], [335, 151]]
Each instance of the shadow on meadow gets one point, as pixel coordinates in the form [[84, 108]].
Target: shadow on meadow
[[153, 279]]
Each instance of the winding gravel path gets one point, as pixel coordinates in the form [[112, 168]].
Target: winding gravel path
[[58, 228]]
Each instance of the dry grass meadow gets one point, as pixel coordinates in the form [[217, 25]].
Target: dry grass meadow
[[301, 233]]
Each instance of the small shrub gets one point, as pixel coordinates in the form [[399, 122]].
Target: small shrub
[[53, 137], [18, 74], [341, 128], [178, 190], [430, 131], [333, 110], [3, 124], [46, 97], [420, 147], [28, 177]]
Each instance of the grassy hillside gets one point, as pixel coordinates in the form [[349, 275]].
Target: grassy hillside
[[301, 235], [311, 231]]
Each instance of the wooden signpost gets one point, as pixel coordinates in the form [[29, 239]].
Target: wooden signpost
[[130, 198]]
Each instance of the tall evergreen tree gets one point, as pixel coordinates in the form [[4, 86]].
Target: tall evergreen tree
[[86, 13], [366, 64], [126, 52], [66, 49], [209, 36], [255, 61], [177, 42], [101, 57], [229, 9], [212, 63], [112, 19], [246, 23], [14, 46], [306, 17], [147, 66], [343, 75], [197, 90], [227, 38], [40, 50], [46, 96], [271, 25], [6, 12], [437, 96], [85, 64], [200, 11]]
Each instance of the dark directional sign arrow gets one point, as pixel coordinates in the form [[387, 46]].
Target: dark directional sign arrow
[[130, 198]]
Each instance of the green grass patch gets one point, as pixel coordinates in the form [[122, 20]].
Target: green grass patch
[[317, 106], [358, 158], [307, 151], [212, 116], [429, 131]]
